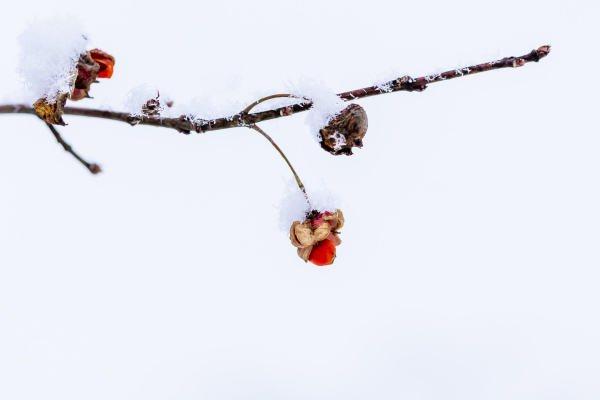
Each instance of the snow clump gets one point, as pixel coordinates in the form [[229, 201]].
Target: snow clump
[[294, 207], [139, 96], [326, 104], [50, 50]]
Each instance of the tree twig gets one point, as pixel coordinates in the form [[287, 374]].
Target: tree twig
[[94, 168], [182, 124]]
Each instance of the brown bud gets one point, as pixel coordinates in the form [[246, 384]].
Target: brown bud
[[152, 106], [542, 51], [286, 111], [95, 169], [52, 113], [519, 62], [345, 131], [134, 120], [404, 80]]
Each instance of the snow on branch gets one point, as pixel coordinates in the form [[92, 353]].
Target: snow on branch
[[325, 104], [187, 125], [50, 50]]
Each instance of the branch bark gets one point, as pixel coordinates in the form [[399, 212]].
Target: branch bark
[[93, 168], [181, 124]]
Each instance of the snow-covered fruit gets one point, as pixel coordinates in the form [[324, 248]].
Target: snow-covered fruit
[[345, 131], [91, 65], [317, 237]]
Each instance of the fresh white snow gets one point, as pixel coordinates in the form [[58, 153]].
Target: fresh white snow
[[50, 49], [326, 104], [294, 207]]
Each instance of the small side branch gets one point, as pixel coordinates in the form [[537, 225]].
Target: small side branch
[[93, 168]]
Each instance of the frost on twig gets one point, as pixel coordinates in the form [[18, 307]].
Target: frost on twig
[[50, 50], [385, 81], [203, 110]]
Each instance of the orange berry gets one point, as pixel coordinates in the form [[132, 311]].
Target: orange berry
[[323, 253]]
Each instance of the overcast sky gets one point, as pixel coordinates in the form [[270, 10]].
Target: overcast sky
[[469, 267]]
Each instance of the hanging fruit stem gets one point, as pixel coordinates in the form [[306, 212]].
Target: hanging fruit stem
[[298, 181]]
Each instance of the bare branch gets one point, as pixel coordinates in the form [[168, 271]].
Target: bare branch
[[94, 168], [182, 124]]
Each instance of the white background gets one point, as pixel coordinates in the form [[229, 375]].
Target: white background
[[469, 268]]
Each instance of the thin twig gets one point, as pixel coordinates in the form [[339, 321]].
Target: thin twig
[[242, 119], [298, 181], [94, 168]]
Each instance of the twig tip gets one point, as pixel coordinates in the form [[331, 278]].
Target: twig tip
[[95, 169]]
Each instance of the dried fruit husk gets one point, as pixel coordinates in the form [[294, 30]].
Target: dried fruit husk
[[52, 113], [334, 238], [305, 234], [87, 72], [345, 131], [304, 253], [92, 65], [79, 94], [335, 220]]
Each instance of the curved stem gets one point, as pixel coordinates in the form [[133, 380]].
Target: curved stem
[[257, 102], [273, 96], [298, 181]]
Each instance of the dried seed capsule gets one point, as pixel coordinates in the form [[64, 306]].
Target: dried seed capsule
[[345, 131], [52, 113]]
